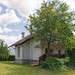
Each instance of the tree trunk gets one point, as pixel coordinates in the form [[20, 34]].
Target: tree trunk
[[48, 54]]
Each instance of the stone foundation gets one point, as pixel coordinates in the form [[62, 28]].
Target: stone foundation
[[26, 61]]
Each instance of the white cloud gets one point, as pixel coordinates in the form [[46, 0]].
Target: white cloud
[[7, 10], [10, 39], [17, 30], [71, 3], [0, 8], [6, 30], [1, 30], [25, 7], [5, 2], [9, 18]]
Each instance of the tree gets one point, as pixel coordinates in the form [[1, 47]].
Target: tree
[[4, 52], [53, 22]]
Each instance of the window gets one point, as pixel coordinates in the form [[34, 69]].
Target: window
[[50, 51], [18, 52]]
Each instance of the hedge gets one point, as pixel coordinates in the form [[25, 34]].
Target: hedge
[[10, 58]]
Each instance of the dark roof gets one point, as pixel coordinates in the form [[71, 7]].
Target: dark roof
[[22, 40]]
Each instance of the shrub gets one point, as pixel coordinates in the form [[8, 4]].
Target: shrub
[[72, 57], [54, 63], [11, 58], [3, 59]]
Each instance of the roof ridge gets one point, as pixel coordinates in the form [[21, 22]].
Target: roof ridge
[[22, 40]]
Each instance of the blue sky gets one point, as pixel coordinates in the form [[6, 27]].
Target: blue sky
[[14, 15], [13, 18]]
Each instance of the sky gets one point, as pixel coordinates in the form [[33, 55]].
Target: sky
[[14, 15]]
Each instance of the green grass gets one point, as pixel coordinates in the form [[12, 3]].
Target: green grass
[[8, 68]]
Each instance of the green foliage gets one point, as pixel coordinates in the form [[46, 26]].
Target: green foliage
[[55, 63], [65, 62], [72, 57], [55, 20], [4, 52], [52, 64], [11, 58]]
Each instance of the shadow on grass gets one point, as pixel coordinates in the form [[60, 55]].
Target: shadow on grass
[[15, 64]]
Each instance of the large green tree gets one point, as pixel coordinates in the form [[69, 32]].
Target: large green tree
[[53, 22], [4, 52]]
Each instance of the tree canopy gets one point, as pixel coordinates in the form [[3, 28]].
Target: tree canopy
[[53, 22]]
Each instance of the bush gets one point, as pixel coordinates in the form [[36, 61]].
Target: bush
[[3, 59], [54, 63], [11, 58], [72, 57]]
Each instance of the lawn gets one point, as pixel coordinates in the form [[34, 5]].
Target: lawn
[[8, 68]]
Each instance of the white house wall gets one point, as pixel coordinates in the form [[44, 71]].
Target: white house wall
[[31, 49], [30, 52], [16, 52], [21, 52], [35, 52], [26, 50]]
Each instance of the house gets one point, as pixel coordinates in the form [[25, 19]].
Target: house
[[27, 52]]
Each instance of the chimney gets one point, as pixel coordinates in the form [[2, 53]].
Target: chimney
[[22, 35]]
